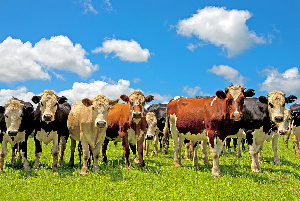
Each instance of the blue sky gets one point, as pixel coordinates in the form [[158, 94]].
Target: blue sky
[[80, 48]]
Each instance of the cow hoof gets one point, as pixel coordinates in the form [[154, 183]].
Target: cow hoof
[[60, 163], [35, 167], [177, 165], [216, 173], [277, 162], [239, 155], [55, 174], [136, 161]]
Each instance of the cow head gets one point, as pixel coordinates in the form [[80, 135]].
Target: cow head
[[137, 102], [284, 126], [276, 103], [13, 116], [152, 125], [235, 97], [100, 106], [48, 102]]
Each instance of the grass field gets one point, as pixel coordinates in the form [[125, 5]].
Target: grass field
[[160, 181]]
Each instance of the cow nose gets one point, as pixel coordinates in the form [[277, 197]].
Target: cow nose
[[137, 115], [12, 133], [47, 117], [278, 118], [101, 124], [282, 132], [149, 137]]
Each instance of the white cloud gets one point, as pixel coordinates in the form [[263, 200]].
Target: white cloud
[[21, 61], [191, 92], [287, 82], [88, 7], [230, 74], [158, 98], [136, 80], [107, 5], [192, 47], [126, 50], [224, 28], [20, 93]]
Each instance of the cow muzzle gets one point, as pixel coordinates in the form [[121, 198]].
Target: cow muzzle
[[47, 117], [282, 132], [278, 119], [137, 115], [149, 137], [12, 133], [101, 124]]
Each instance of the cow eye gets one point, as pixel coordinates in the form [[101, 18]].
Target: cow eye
[[93, 108], [42, 104], [271, 105], [6, 116]]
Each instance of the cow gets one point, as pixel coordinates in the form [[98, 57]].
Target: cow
[[50, 124], [295, 113], [87, 122], [18, 118], [152, 133], [205, 119], [129, 122], [160, 111]]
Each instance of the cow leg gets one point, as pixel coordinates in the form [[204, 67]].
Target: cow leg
[[176, 141], [133, 149], [62, 145], [296, 143], [23, 152], [165, 139], [13, 153], [286, 141], [155, 145], [96, 153], [38, 153], [274, 146], [195, 157], [234, 144], [254, 156], [54, 151], [125, 144], [79, 151], [86, 155], [215, 154], [73, 146], [186, 153], [147, 142], [204, 152], [259, 154], [140, 152], [224, 149], [3, 154], [104, 148], [239, 153]]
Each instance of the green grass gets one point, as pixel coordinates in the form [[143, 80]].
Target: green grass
[[160, 181]]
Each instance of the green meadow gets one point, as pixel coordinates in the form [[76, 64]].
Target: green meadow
[[159, 181]]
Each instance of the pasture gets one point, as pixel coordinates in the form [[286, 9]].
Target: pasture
[[160, 181]]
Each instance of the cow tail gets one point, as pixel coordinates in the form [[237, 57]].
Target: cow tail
[[166, 135]]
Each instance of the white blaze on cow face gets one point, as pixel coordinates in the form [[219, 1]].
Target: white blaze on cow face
[[13, 116], [152, 123], [235, 99], [276, 105], [48, 105]]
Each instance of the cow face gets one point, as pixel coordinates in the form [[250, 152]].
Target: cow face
[[13, 116], [284, 126], [152, 125], [100, 106], [137, 102], [235, 97], [48, 102]]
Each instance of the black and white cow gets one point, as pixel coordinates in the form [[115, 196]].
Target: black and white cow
[[295, 113], [16, 126], [160, 111], [50, 124]]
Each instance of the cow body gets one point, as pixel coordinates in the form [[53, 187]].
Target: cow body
[[16, 128], [50, 124], [152, 133], [87, 122], [295, 113], [160, 111], [129, 122], [205, 119]]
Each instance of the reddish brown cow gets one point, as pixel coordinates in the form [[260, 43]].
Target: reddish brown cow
[[205, 119], [128, 120]]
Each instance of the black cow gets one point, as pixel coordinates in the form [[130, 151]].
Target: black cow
[[50, 124], [295, 113], [16, 124]]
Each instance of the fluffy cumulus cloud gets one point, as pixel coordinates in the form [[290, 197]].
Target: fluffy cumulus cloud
[[21, 93], [126, 50], [224, 28], [287, 82], [21, 61], [191, 91], [230, 74]]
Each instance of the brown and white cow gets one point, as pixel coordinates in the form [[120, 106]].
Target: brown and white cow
[[128, 120], [87, 122], [152, 133], [206, 119]]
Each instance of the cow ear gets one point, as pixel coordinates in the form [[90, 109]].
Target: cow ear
[[2, 109], [62, 99], [36, 99], [290, 99], [220, 94], [113, 102], [249, 93], [124, 98], [149, 98], [263, 99], [87, 102]]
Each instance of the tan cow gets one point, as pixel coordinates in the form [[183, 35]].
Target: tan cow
[[87, 122], [152, 133]]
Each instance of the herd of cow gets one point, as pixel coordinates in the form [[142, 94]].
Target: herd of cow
[[202, 121]]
